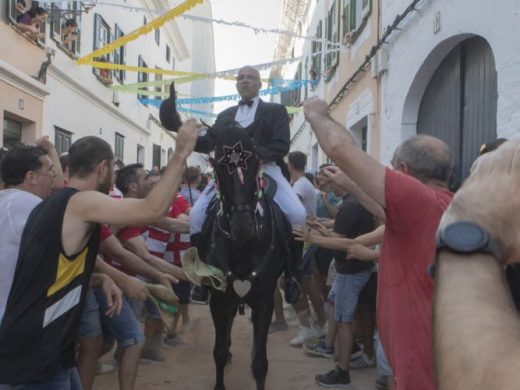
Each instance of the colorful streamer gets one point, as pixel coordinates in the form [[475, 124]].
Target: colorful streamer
[[152, 25], [201, 19], [157, 103], [290, 86]]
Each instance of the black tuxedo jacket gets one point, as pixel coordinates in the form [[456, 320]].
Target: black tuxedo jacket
[[270, 132]]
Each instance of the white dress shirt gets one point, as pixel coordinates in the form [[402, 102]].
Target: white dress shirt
[[246, 115]]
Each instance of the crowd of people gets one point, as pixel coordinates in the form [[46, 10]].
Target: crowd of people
[[91, 256]]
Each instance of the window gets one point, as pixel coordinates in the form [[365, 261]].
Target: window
[[140, 154], [62, 140], [13, 14], [315, 70], [119, 147], [173, 63], [158, 88], [119, 55], [156, 157], [66, 25], [355, 14], [142, 77], [102, 36], [297, 93], [144, 20], [168, 54], [332, 22], [12, 132], [360, 133], [157, 36]]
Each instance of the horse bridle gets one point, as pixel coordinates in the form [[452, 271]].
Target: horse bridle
[[218, 227]]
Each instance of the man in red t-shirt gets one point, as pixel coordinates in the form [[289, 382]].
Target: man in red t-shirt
[[414, 196], [177, 244]]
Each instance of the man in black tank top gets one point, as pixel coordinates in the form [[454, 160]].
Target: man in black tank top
[[57, 255]]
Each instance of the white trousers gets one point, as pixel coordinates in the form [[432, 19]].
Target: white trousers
[[285, 198]]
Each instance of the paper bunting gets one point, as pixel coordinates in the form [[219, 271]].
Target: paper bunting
[[134, 87], [152, 25], [157, 103], [200, 19], [289, 86]]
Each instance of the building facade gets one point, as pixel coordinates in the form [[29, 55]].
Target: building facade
[[344, 31], [452, 72], [69, 101]]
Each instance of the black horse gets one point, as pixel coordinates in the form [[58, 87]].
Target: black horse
[[247, 237]]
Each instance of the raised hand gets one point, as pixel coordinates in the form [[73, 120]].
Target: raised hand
[[489, 197]]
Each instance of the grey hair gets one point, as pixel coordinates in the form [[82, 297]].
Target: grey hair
[[426, 160]]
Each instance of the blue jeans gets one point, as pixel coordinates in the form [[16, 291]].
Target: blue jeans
[[124, 326], [64, 379], [345, 294]]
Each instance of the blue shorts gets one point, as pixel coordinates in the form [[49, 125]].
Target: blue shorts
[[64, 379], [123, 327], [344, 294], [90, 322]]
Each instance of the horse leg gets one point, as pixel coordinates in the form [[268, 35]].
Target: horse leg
[[262, 314], [223, 310]]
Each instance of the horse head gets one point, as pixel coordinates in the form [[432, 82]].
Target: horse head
[[237, 166]]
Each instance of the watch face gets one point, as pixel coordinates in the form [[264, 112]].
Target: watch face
[[464, 236]]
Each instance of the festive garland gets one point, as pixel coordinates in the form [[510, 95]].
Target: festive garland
[[149, 27]]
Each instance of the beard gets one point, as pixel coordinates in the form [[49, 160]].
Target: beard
[[106, 185]]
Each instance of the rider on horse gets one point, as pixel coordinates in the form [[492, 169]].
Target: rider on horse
[[268, 126]]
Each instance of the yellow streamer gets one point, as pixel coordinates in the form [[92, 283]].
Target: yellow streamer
[[142, 69], [152, 25]]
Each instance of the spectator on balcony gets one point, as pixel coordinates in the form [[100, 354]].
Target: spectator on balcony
[[104, 75], [69, 33], [21, 8], [29, 23]]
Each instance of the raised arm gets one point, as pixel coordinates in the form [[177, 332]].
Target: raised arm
[[93, 206], [340, 146], [335, 174], [473, 310]]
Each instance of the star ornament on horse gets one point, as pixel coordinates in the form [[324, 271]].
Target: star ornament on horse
[[235, 157]]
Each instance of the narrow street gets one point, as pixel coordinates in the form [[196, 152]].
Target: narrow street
[[189, 365]]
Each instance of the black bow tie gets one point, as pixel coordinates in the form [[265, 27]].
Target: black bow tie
[[249, 103]]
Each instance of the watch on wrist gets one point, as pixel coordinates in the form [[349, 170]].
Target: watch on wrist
[[465, 238]]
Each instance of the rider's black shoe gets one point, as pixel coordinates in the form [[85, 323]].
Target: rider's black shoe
[[292, 290]]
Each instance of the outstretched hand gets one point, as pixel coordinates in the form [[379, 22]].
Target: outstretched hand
[[187, 137], [339, 177]]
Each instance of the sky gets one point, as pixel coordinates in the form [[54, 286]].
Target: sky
[[238, 46]]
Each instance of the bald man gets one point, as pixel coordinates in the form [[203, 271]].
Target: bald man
[[268, 126], [414, 196]]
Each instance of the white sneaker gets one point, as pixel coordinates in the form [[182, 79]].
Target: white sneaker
[[362, 362], [304, 334], [319, 331]]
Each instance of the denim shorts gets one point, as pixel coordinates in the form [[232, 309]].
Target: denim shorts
[[124, 327], [344, 294], [64, 379], [90, 322]]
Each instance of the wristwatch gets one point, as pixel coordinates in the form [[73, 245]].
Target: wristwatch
[[465, 238]]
